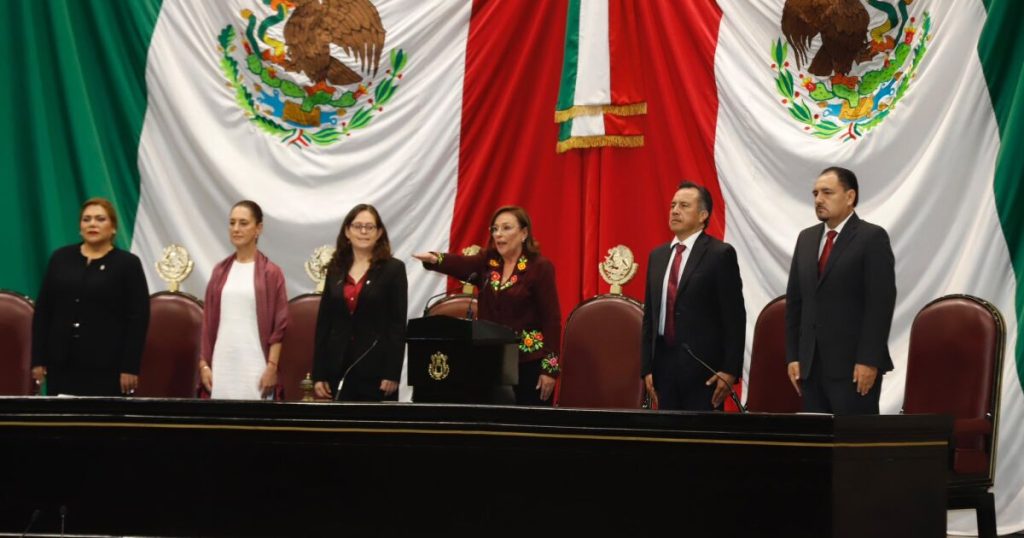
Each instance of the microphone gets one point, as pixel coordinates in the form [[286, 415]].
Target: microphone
[[63, 515], [469, 304], [32, 521], [337, 394], [732, 393], [426, 308]]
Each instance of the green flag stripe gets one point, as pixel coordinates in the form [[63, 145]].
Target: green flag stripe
[[567, 87], [1001, 50], [75, 93]]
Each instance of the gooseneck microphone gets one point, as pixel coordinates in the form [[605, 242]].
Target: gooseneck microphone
[[63, 516], [337, 394], [32, 521], [469, 304], [426, 307], [732, 393]]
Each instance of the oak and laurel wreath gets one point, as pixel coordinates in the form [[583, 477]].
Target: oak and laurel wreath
[[323, 137], [866, 88]]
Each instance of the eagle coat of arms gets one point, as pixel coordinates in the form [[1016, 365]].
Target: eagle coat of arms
[[854, 59], [287, 75]]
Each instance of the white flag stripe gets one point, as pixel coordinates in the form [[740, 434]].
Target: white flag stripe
[[593, 76], [588, 125]]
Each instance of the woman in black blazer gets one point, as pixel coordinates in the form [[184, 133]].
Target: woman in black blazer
[[92, 313], [360, 327]]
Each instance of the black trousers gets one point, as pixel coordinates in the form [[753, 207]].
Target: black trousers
[[74, 377], [838, 396], [680, 381]]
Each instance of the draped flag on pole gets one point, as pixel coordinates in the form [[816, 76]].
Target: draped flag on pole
[[439, 112], [600, 98]]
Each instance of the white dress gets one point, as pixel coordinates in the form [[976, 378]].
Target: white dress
[[238, 361]]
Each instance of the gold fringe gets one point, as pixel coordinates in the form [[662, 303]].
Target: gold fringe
[[617, 141], [634, 109]]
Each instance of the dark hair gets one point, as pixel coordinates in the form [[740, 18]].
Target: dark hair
[[530, 246], [847, 178], [703, 194], [105, 204], [343, 255], [253, 207]]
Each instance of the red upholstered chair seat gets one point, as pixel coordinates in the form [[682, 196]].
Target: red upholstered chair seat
[[170, 357], [768, 386], [15, 344], [298, 343], [601, 354]]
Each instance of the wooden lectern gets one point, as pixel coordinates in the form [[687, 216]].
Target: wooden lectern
[[455, 360]]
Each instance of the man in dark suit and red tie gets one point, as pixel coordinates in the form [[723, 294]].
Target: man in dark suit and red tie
[[839, 303], [693, 302]]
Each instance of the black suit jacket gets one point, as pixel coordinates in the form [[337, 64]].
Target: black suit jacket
[[846, 313], [709, 312], [380, 317], [108, 300]]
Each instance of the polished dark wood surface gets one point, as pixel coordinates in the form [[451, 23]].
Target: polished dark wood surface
[[186, 467]]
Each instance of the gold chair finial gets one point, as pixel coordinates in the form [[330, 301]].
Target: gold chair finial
[[174, 266]]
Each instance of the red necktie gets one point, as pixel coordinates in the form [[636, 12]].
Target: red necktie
[[825, 252], [670, 296]]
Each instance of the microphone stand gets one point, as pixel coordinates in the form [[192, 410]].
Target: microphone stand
[[469, 304], [32, 521], [337, 393], [732, 393]]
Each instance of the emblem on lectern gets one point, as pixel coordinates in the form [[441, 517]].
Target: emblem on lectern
[[174, 265], [618, 267], [438, 368], [316, 265]]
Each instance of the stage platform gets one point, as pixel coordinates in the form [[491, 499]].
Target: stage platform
[[211, 468]]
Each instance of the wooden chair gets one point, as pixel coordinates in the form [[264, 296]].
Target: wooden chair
[[297, 346], [170, 358], [601, 354], [453, 305], [16, 312], [954, 367], [768, 387]]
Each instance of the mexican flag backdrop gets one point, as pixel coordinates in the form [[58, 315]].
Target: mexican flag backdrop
[[585, 112]]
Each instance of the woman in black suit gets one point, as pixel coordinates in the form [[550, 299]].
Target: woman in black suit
[[92, 313], [360, 327]]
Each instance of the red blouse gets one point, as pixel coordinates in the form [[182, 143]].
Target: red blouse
[[352, 290]]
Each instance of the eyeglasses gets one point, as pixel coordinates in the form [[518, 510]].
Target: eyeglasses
[[504, 229], [368, 228]]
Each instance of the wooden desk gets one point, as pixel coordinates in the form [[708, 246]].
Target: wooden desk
[[188, 467]]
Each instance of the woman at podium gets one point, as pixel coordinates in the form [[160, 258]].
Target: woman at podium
[[92, 312], [245, 316], [360, 327], [518, 291]]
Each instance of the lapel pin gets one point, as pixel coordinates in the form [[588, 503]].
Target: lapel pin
[[103, 268]]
